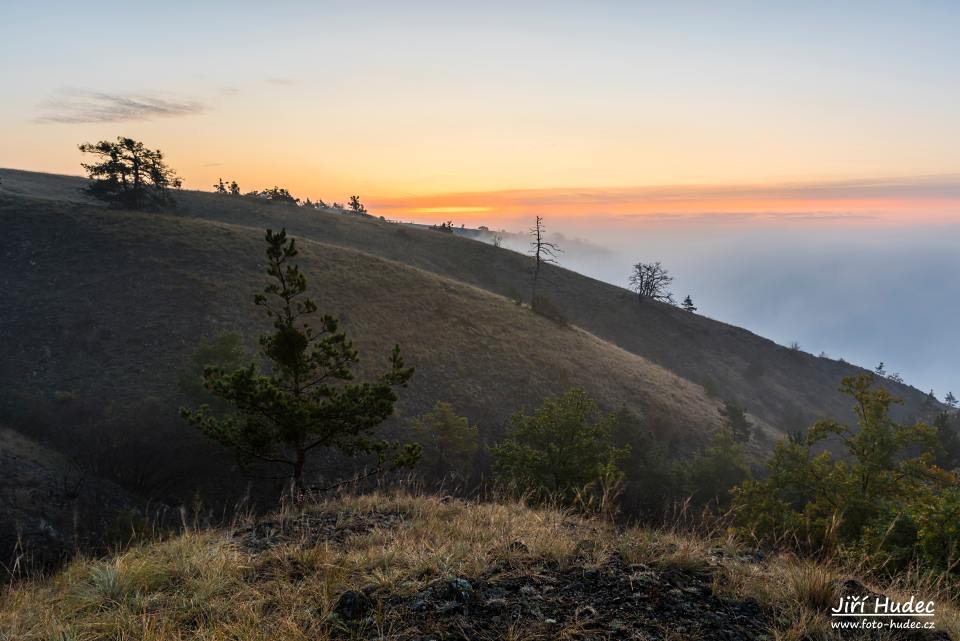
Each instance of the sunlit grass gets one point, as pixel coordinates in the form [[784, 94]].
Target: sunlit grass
[[206, 585]]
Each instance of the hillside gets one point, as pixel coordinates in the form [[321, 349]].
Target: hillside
[[49, 508], [105, 308], [784, 388], [407, 567]]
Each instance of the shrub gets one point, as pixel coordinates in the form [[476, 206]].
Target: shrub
[[653, 478], [885, 502], [735, 418], [224, 351], [276, 194], [717, 469], [545, 307], [448, 441], [563, 447]]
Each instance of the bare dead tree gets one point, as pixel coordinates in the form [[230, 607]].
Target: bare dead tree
[[543, 252], [651, 280]]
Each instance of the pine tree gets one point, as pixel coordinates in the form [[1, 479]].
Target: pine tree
[[688, 304], [127, 174], [735, 419], [356, 206], [449, 443], [307, 398]]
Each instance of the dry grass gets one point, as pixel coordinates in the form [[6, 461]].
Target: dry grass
[[204, 586], [171, 280], [694, 347]]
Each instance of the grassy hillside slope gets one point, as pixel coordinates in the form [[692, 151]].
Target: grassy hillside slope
[[784, 387], [405, 567], [108, 305]]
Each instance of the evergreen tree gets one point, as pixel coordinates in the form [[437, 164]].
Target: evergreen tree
[[449, 443], [929, 405], [224, 351], [735, 418], [717, 469], [688, 304], [307, 398], [948, 454], [950, 400], [356, 206], [279, 195], [653, 478], [127, 174]]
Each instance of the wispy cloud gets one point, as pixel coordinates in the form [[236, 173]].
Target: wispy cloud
[[79, 106]]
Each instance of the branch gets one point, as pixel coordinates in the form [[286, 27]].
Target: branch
[[356, 479]]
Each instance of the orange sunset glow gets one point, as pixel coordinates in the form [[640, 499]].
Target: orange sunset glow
[[929, 200]]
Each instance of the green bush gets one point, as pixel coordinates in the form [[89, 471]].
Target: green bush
[[224, 351], [449, 443], [713, 473], [654, 478], [563, 448], [546, 308], [884, 502]]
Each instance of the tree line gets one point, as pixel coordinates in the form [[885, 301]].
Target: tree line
[[125, 173]]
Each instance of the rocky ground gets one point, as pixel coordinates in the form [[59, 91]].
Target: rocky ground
[[614, 601], [577, 599], [399, 567]]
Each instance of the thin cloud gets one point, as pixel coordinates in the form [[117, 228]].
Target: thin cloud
[[75, 107], [281, 81]]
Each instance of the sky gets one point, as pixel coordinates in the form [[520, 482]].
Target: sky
[[796, 165]]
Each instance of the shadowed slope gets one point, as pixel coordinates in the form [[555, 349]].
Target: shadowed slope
[[784, 387], [109, 304]]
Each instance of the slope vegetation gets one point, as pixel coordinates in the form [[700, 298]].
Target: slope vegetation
[[782, 387], [106, 306]]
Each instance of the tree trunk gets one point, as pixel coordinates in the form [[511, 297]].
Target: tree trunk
[[298, 466], [536, 275]]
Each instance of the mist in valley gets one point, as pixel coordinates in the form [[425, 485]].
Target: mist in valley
[[862, 293]]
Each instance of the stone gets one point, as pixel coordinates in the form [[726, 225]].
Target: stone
[[352, 605]]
